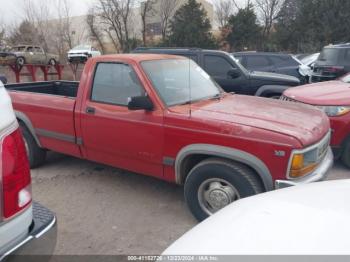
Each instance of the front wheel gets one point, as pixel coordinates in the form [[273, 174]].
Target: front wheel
[[52, 62], [20, 62], [215, 183], [346, 154]]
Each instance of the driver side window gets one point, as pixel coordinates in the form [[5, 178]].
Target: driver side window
[[115, 83], [217, 66]]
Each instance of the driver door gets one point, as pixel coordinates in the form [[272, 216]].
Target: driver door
[[114, 135]]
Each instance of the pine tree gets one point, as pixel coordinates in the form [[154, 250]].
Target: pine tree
[[244, 30], [190, 27]]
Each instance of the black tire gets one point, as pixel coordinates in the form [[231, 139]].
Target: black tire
[[52, 62], [345, 157], [36, 155], [20, 62], [241, 177]]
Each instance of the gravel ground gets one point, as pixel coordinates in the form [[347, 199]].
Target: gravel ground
[[102, 210]]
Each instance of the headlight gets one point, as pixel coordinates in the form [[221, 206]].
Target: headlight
[[306, 161], [335, 110], [303, 164]]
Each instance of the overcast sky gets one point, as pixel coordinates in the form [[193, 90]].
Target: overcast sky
[[11, 11]]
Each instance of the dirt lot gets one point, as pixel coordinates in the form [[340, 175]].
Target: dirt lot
[[102, 210]]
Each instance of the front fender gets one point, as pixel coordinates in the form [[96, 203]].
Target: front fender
[[224, 152]]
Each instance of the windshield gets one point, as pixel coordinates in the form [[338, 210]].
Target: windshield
[[82, 47], [18, 49], [329, 55], [180, 81], [346, 78], [238, 63]]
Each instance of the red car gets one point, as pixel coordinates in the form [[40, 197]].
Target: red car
[[333, 97], [163, 116]]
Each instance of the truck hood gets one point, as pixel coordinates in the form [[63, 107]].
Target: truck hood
[[331, 93], [72, 52], [305, 123], [272, 77]]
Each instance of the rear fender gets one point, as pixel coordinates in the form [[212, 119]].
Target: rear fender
[[26, 121]]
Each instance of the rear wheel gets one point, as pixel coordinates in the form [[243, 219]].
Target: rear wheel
[[36, 155], [215, 183], [346, 154]]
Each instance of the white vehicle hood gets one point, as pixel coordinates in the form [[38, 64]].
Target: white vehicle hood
[[311, 219], [7, 116], [72, 52]]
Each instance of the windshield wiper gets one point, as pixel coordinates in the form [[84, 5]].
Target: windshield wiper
[[217, 96]]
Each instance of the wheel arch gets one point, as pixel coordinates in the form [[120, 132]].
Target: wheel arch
[[191, 155], [271, 89], [21, 117]]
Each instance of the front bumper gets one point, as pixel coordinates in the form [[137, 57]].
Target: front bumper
[[41, 239], [319, 174]]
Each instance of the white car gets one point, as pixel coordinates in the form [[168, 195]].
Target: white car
[[311, 219], [81, 53], [26, 227]]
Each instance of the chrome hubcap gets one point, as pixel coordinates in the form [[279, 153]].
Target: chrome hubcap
[[214, 194]]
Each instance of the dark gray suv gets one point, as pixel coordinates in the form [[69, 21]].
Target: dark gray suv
[[228, 72], [333, 62]]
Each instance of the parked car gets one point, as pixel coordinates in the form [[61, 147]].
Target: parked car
[[163, 116], [230, 74], [333, 62], [275, 63], [3, 79], [27, 54], [81, 53], [309, 219], [333, 97], [25, 227]]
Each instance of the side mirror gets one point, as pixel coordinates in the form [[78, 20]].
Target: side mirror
[[233, 73], [140, 103]]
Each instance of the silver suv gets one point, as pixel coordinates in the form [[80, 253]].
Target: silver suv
[[26, 227]]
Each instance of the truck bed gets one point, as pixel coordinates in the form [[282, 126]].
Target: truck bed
[[58, 88]]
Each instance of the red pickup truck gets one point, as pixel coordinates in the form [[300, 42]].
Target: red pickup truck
[[163, 116], [333, 97]]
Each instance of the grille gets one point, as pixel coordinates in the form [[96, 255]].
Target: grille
[[286, 98]]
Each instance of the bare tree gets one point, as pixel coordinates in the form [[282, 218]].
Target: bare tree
[[64, 19], [223, 10], [38, 13], [115, 15], [268, 13], [167, 10], [95, 30], [147, 10]]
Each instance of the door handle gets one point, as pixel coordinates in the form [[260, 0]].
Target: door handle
[[90, 110]]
